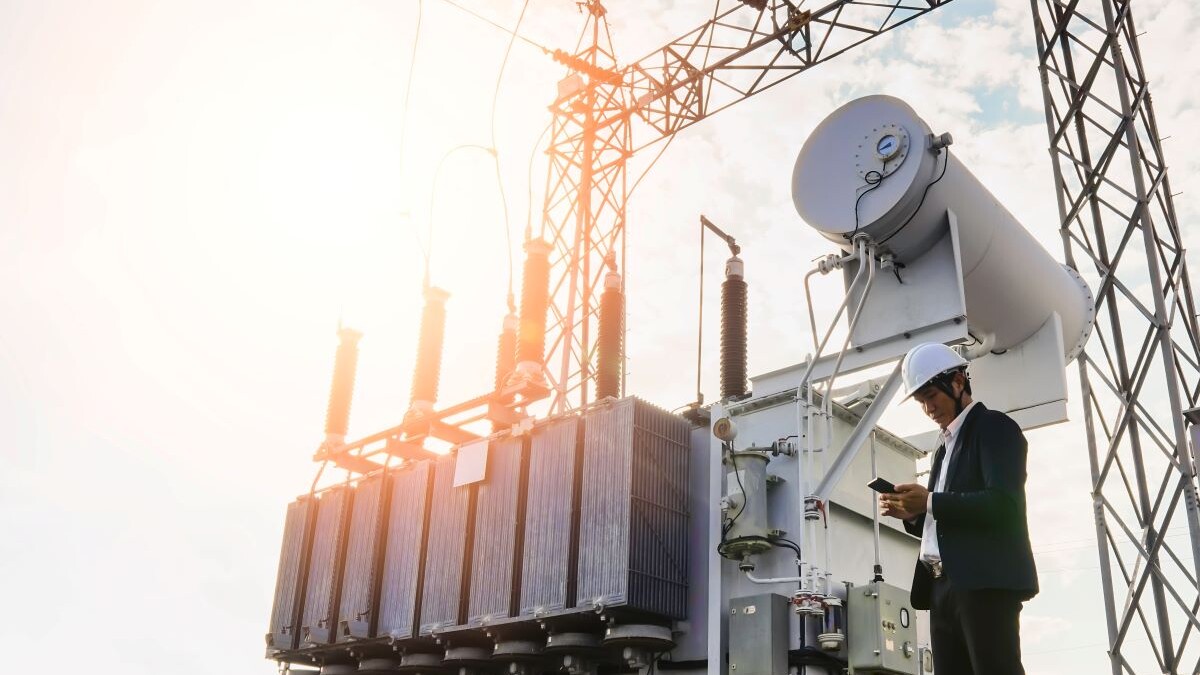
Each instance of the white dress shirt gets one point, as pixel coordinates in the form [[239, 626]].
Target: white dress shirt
[[949, 437]]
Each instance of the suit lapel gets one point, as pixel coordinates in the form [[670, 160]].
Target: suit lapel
[[965, 440]]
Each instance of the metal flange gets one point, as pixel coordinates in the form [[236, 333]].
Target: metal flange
[[517, 650], [421, 662], [645, 636], [378, 666], [467, 656], [574, 643]]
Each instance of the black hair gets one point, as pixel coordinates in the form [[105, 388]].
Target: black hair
[[945, 381]]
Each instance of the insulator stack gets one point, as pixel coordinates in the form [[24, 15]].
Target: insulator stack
[[429, 350], [535, 297], [608, 367], [733, 330], [506, 351], [341, 391]]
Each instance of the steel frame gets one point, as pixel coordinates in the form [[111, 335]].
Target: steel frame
[[606, 113], [1141, 369]]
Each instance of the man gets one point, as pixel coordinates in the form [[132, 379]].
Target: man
[[976, 566]]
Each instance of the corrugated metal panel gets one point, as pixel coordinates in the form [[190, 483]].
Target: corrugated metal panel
[[633, 509], [495, 565], [289, 582], [404, 552], [325, 567], [548, 563], [360, 581], [659, 557], [449, 517]]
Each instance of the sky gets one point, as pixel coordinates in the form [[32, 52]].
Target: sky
[[194, 194]]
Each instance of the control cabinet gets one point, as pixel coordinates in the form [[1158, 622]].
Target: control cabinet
[[882, 631]]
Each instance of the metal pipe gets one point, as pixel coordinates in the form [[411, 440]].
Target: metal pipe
[[812, 362], [867, 258], [865, 426], [878, 569], [772, 580]]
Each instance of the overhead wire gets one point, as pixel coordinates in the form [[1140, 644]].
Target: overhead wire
[[512, 32], [427, 248], [412, 67], [649, 166], [513, 35], [412, 64], [529, 181]]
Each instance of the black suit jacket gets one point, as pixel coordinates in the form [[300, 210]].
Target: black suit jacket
[[982, 532]]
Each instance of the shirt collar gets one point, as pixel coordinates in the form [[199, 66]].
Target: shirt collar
[[951, 429]]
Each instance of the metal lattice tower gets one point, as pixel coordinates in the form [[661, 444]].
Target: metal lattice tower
[[1141, 369], [604, 114]]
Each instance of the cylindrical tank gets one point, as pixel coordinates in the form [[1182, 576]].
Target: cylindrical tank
[[874, 166], [733, 330], [428, 370], [341, 390], [745, 529], [608, 359]]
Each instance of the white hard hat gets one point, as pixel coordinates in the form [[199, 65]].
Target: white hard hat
[[925, 362]]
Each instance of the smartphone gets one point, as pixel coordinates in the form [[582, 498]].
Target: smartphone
[[882, 485]]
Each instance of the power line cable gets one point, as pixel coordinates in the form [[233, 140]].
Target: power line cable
[[529, 180], [649, 166], [479, 16], [427, 247], [412, 67], [496, 154]]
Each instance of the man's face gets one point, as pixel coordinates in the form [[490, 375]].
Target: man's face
[[936, 404]]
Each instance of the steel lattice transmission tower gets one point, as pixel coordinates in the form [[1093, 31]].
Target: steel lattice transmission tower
[[1140, 372], [605, 113]]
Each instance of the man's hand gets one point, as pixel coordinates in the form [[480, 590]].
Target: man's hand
[[906, 503]]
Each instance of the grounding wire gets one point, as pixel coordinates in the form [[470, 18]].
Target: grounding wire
[[496, 155], [945, 162], [745, 499], [873, 184]]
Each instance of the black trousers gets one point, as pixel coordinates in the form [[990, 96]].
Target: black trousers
[[975, 632]]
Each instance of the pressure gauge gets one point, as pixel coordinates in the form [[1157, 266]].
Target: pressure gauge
[[881, 152], [887, 147]]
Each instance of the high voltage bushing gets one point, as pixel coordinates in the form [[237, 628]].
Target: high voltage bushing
[[429, 350], [341, 390], [608, 366], [506, 350], [733, 330], [506, 358], [535, 298]]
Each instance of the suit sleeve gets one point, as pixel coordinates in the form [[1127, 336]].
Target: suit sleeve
[[1001, 502], [916, 526]]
